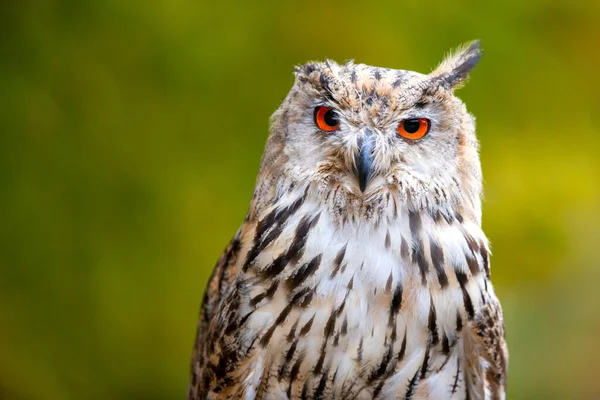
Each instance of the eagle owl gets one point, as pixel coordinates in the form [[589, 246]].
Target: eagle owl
[[361, 270]]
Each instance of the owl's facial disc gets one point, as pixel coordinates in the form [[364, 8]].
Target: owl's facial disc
[[363, 159]]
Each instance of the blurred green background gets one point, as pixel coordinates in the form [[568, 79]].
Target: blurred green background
[[131, 133]]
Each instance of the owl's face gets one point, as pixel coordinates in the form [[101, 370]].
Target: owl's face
[[364, 133]]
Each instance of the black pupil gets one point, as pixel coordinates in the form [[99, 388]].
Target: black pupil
[[411, 125], [330, 118]]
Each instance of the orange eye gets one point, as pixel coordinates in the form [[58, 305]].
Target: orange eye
[[326, 119], [414, 128]]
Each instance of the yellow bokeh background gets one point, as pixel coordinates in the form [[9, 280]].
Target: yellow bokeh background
[[131, 133]]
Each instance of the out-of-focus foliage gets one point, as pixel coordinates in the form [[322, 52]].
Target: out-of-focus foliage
[[131, 133]]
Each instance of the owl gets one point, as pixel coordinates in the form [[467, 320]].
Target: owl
[[361, 270]]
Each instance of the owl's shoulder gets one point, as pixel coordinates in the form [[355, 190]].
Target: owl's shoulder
[[217, 290], [487, 352]]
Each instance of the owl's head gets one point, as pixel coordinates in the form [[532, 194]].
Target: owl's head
[[363, 137]]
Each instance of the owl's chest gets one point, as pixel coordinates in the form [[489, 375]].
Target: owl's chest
[[350, 316]]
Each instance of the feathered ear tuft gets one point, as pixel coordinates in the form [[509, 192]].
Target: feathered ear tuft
[[454, 71]]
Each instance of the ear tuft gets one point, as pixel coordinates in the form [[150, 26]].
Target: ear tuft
[[454, 71]]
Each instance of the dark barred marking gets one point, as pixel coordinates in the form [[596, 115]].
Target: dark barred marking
[[302, 273], [485, 257], [304, 394], [269, 293], [473, 245], [391, 367], [377, 75], [336, 339], [351, 283], [458, 217], [282, 316], [337, 262], [395, 305], [473, 264], [341, 308], [414, 222], [327, 332], [462, 280], [448, 217], [320, 389], [435, 215], [230, 357], [277, 217], [235, 324], [456, 377], [294, 372], [388, 284], [242, 321], [353, 77], [226, 363], [432, 323], [404, 252], [388, 240], [437, 257], [378, 373], [335, 374], [344, 327], [425, 365], [321, 360], [272, 289], [444, 363], [292, 334], [232, 316], [295, 250], [234, 248], [275, 267], [410, 391], [359, 350], [459, 322], [384, 365], [388, 198], [288, 359], [420, 259], [265, 224], [445, 345], [402, 351], [306, 328], [307, 299]]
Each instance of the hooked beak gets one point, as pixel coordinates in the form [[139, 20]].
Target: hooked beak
[[363, 160]]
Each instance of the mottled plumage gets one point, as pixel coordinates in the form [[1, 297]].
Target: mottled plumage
[[329, 291]]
